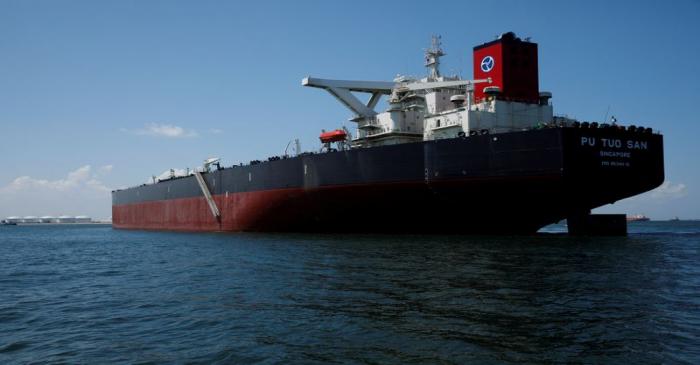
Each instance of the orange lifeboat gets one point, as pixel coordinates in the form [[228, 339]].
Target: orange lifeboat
[[333, 136]]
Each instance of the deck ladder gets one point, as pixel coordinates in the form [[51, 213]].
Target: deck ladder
[[207, 195]]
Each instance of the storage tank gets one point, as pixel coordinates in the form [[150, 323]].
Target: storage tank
[[47, 219], [66, 219], [14, 219], [30, 219], [83, 219]]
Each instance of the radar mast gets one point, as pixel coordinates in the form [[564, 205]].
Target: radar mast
[[432, 57]]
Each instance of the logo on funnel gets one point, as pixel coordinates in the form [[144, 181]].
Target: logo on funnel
[[487, 64]]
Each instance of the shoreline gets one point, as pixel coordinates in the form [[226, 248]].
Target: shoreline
[[58, 224]]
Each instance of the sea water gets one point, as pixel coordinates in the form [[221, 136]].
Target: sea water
[[91, 294]]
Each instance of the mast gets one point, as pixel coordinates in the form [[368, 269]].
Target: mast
[[432, 57]]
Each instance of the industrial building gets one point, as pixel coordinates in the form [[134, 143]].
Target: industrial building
[[30, 219]]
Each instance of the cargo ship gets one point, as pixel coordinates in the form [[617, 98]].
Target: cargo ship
[[448, 155], [637, 218]]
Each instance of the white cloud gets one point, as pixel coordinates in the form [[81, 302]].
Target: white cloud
[[97, 185], [81, 191], [106, 169], [669, 190], [215, 131], [73, 179], [163, 130], [661, 203]]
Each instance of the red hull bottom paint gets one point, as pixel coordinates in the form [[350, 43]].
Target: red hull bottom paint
[[521, 205]]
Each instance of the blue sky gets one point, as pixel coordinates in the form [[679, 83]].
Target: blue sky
[[96, 95]]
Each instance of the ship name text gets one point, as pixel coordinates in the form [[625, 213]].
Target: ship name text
[[614, 143]]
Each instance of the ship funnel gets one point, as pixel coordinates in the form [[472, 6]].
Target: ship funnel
[[512, 64]]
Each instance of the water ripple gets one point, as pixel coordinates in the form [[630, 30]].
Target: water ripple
[[95, 295]]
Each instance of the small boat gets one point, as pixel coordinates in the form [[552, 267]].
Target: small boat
[[637, 218]]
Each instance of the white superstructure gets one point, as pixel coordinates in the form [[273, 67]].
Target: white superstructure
[[435, 107]]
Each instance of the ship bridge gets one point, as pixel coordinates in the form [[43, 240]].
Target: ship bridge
[[438, 107]]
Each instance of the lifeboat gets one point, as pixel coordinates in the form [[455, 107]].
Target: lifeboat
[[333, 136]]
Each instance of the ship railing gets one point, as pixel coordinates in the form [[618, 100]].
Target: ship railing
[[379, 130], [369, 123], [563, 121]]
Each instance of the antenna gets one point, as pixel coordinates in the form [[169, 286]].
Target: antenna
[[432, 57], [297, 147]]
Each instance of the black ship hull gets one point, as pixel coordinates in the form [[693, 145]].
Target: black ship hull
[[502, 183]]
